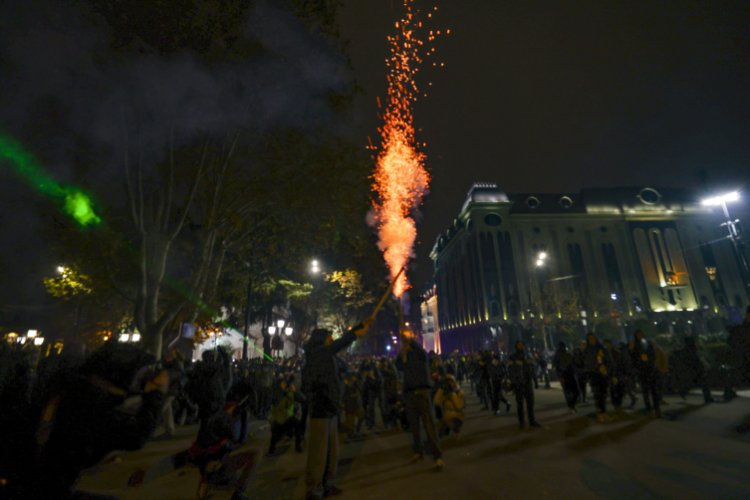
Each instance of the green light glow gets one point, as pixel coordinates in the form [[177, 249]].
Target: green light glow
[[73, 201]]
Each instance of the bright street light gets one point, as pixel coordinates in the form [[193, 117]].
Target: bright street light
[[61, 269], [734, 233], [272, 330], [38, 341], [315, 266], [31, 334], [135, 337], [288, 331], [280, 324], [721, 199], [124, 337]]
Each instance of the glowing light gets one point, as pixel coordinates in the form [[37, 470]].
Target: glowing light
[[38, 341], [721, 199], [135, 337], [288, 331], [124, 337], [32, 333], [74, 202], [400, 179]]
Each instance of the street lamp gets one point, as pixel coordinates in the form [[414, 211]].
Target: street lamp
[[280, 324], [315, 267], [136, 337], [731, 224], [32, 333], [288, 331], [272, 330], [38, 341], [541, 259]]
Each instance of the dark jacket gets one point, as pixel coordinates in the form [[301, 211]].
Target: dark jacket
[[520, 370], [415, 366], [321, 380]]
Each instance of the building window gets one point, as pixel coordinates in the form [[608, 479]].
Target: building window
[[565, 202], [492, 220], [711, 272], [649, 196], [533, 202]]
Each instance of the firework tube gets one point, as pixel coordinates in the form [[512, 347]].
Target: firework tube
[[384, 297]]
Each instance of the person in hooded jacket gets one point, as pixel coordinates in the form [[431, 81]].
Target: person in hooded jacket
[[321, 380]]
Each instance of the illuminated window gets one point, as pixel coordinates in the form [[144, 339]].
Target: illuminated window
[[711, 272]]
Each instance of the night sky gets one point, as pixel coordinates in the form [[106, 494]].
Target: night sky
[[553, 96]]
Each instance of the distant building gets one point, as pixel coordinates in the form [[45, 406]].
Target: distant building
[[537, 266]]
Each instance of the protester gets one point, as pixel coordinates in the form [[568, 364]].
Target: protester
[[643, 355], [417, 385], [563, 363], [450, 399], [284, 417], [521, 373], [322, 385]]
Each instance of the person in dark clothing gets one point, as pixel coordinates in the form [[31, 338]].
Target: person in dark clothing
[[373, 393], [114, 404], [563, 364], [208, 387], [498, 373], [580, 370], [521, 374], [739, 348], [321, 381], [689, 370], [418, 397], [617, 374], [643, 354], [597, 364]]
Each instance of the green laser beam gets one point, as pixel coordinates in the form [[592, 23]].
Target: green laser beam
[[73, 201], [78, 205]]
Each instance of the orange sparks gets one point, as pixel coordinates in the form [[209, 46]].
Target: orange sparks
[[400, 178]]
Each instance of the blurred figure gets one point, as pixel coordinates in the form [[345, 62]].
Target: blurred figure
[[113, 404], [498, 374], [597, 363], [521, 374], [690, 370], [643, 355], [284, 417], [450, 399], [563, 363]]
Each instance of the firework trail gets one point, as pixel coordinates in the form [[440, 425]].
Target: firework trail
[[400, 180]]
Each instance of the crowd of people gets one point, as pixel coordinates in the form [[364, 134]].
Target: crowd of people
[[69, 414]]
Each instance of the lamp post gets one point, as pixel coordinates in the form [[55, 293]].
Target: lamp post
[[722, 201]]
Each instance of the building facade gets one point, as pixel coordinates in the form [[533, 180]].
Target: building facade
[[535, 266]]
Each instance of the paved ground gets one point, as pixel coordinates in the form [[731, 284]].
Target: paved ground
[[692, 452]]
